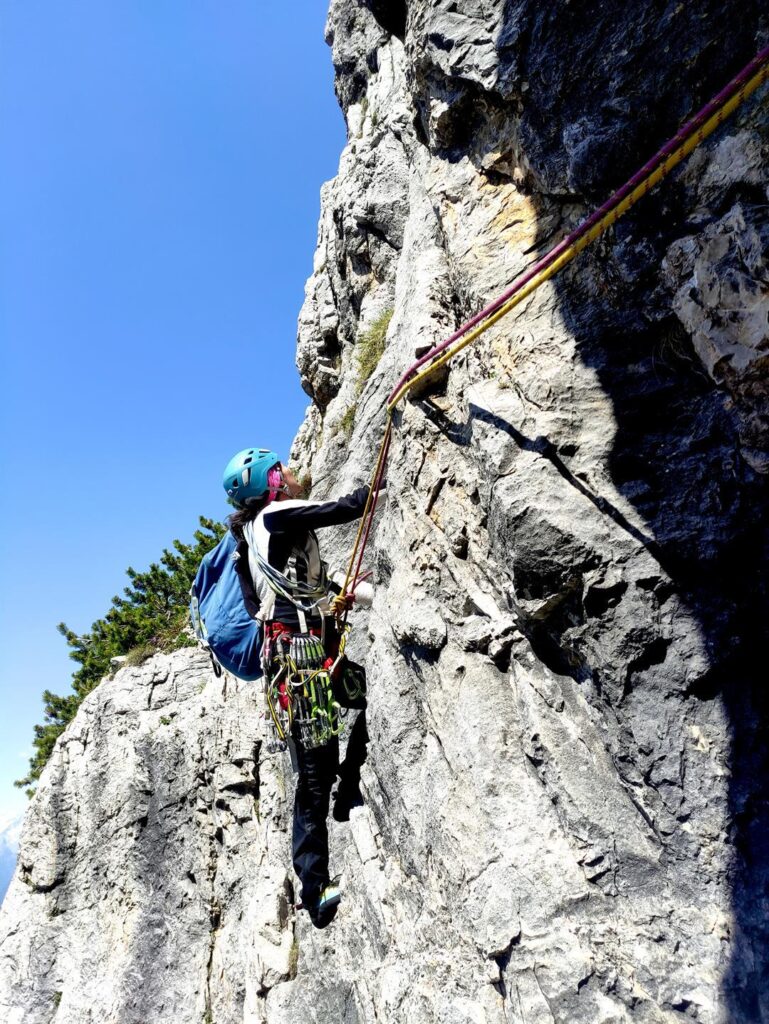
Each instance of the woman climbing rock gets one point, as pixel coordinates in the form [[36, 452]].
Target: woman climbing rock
[[301, 657]]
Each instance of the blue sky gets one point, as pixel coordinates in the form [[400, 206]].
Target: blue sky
[[160, 166]]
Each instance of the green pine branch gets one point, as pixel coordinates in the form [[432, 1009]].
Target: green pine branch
[[151, 616]]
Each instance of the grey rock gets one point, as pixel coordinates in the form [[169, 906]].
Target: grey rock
[[143, 865], [565, 802], [722, 299]]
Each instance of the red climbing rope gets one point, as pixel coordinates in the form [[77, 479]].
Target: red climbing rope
[[691, 135], [758, 64]]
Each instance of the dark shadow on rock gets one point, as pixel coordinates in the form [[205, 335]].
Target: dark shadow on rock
[[597, 90], [676, 458], [676, 454], [544, 447], [348, 793]]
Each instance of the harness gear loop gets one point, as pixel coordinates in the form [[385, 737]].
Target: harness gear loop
[[298, 686]]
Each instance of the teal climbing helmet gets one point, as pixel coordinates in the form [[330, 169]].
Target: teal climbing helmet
[[245, 475]]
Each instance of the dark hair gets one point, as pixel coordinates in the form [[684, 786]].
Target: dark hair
[[242, 516]]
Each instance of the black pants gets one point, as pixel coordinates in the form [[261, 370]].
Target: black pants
[[317, 771]]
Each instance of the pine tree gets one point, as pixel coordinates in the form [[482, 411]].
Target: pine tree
[[151, 616]]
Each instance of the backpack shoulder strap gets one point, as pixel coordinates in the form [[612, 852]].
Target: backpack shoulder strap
[[247, 588]]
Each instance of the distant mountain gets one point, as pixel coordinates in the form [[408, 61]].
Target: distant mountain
[[10, 830]]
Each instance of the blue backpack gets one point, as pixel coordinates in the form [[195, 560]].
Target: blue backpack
[[223, 610]]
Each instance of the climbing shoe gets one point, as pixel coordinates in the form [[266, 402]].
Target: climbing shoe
[[330, 896], [324, 911]]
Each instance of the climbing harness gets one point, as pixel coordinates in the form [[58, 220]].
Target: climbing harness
[[688, 137], [299, 672], [300, 668]]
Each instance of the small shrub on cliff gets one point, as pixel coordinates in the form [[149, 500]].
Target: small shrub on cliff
[[293, 959], [138, 655], [150, 617], [347, 422], [371, 346]]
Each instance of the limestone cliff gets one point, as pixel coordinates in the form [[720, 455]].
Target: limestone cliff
[[565, 809]]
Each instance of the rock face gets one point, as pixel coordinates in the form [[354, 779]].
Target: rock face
[[565, 811], [147, 887], [9, 848]]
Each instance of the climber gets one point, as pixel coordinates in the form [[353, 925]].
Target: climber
[[278, 527]]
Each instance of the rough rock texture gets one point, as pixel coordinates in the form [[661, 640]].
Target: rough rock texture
[[566, 806], [151, 883]]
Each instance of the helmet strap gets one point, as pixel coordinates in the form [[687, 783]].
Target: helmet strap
[[276, 484]]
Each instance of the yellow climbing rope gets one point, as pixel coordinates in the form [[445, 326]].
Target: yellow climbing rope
[[659, 167]]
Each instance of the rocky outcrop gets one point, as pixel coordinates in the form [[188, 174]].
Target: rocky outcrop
[[152, 883], [565, 798]]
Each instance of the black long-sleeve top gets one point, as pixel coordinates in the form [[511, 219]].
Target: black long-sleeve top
[[286, 528]]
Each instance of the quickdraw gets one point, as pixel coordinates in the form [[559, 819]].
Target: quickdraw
[[298, 686]]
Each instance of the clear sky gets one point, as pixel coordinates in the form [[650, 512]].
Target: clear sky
[[160, 167]]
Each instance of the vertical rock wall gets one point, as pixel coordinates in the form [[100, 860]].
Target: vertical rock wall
[[565, 811], [566, 807], [151, 884]]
